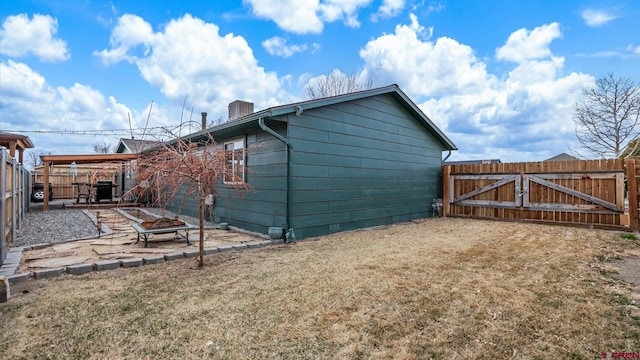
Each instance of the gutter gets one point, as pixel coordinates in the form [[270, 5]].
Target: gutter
[[288, 228]]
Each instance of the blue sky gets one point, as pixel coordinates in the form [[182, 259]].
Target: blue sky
[[500, 78]]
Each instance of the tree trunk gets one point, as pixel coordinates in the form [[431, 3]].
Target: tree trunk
[[201, 208]]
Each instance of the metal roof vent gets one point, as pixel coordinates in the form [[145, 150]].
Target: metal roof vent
[[239, 109]]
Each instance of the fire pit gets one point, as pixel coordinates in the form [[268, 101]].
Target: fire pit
[[163, 226], [162, 223]]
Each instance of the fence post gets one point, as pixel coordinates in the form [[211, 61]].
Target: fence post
[[3, 204], [446, 174], [632, 193], [14, 198], [23, 194]]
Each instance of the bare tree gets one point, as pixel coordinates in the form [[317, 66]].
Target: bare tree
[[336, 83], [607, 118], [102, 147], [33, 158], [188, 169]]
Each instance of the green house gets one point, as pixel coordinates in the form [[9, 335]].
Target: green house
[[332, 164]]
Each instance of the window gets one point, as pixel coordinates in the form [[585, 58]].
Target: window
[[234, 173]]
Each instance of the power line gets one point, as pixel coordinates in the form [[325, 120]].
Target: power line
[[156, 130], [85, 132]]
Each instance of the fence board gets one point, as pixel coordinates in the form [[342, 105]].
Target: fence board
[[586, 192], [633, 193], [62, 183], [14, 180]]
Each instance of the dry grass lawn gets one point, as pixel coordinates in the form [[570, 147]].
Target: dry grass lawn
[[442, 288]]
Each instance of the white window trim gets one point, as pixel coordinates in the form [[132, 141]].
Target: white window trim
[[234, 161]]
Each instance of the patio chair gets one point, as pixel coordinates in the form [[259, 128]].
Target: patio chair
[[85, 192]]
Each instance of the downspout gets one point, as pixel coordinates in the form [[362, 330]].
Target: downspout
[[288, 228], [437, 203], [446, 157]]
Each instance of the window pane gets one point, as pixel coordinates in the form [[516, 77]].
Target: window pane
[[235, 161]]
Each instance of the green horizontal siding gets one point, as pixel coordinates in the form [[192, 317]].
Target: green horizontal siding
[[319, 230], [357, 164], [362, 163], [310, 196], [265, 204], [262, 206], [382, 213]]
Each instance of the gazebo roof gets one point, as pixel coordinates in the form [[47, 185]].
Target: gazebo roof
[[15, 142], [21, 141]]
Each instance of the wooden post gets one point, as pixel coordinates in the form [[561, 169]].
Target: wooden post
[[520, 212], [46, 185], [632, 188], [21, 156], [446, 174], [12, 149]]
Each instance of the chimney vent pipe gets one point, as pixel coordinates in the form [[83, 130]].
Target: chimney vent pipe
[[204, 120]]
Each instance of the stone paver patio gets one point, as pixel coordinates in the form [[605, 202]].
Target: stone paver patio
[[116, 247]]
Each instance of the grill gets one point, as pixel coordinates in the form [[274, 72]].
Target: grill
[[103, 190]]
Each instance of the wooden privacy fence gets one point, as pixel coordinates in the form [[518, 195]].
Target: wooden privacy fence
[[581, 192], [633, 182], [14, 191], [62, 183]]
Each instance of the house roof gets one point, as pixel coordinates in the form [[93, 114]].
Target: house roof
[[249, 121], [562, 157], [134, 146]]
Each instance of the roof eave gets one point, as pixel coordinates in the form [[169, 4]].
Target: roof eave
[[278, 111], [415, 110]]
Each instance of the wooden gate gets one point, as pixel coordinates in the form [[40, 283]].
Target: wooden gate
[[585, 192]]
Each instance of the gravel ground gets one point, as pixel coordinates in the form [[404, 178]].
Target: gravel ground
[[58, 226], [54, 226]]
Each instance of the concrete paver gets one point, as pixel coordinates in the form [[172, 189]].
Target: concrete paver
[[107, 265], [18, 278], [153, 260], [79, 269], [131, 262], [48, 273]]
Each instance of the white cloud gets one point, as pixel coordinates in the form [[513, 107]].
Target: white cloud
[[294, 16], [596, 18], [422, 66], [277, 46], [435, 7], [130, 32], [345, 10], [301, 16], [389, 8], [524, 45], [21, 36], [29, 103], [190, 58], [487, 115]]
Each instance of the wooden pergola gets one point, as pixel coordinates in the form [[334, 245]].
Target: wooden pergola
[[15, 142], [51, 160]]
